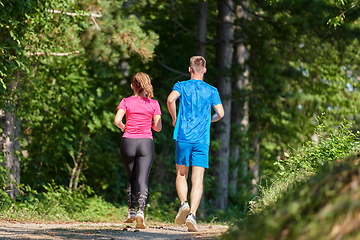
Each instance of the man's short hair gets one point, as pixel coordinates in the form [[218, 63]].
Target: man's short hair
[[198, 63]]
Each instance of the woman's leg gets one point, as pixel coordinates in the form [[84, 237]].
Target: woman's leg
[[128, 156], [143, 166]]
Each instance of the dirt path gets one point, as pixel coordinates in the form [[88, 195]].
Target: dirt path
[[110, 231]]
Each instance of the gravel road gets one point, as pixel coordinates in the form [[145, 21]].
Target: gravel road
[[110, 231]]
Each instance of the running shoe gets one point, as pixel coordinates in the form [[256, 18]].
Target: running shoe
[[130, 217], [182, 213], [191, 223], [140, 221]]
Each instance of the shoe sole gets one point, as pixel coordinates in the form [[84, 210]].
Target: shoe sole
[[129, 220], [191, 226], [140, 222], [181, 217]]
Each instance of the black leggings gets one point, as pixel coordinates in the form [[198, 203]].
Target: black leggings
[[137, 155]]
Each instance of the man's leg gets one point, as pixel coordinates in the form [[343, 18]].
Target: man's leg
[[182, 191], [197, 177], [181, 182]]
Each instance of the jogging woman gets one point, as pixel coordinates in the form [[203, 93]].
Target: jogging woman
[[137, 148]]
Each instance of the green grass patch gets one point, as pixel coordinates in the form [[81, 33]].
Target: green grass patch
[[59, 204]]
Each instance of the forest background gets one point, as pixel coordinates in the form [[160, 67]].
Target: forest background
[[282, 69]]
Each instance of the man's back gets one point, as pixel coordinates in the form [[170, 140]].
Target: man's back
[[194, 117]]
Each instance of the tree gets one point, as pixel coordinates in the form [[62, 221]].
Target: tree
[[202, 26], [239, 142], [70, 90], [299, 64], [223, 63], [13, 26]]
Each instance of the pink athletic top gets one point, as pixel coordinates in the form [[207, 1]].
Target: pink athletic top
[[139, 112]]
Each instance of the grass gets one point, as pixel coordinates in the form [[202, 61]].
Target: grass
[[58, 204]]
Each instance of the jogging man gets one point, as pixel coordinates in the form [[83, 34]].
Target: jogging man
[[192, 136]]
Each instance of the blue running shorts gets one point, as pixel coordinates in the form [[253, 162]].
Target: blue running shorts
[[192, 154]]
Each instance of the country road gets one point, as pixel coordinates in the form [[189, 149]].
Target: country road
[[110, 231]]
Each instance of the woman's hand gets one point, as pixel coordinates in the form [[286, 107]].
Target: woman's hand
[[118, 119]]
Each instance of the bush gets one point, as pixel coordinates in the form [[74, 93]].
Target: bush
[[305, 162], [315, 185], [324, 207]]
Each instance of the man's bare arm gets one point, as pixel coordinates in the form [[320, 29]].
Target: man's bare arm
[[171, 105], [219, 113]]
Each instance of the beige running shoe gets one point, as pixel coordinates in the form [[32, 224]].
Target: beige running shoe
[[182, 213], [191, 223], [140, 221], [130, 217]]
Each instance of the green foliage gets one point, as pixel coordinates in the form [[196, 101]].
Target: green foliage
[[68, 99], [323, 207], [58, 203], [329, 147], [298, 71], [344, 6], [6, 201], [302, 163], [14, 17], [4, 177]]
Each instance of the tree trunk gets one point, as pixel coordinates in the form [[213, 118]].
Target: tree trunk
[[239, 151], [201, 51], [255, 165], [202, 19], [78, 167], [10, 146], [223, 66]]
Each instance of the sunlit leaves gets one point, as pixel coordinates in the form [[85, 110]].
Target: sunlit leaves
[[344, 6], [337, 20], [70, 92]]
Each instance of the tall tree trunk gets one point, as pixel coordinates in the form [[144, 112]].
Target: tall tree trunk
[[202, 19], [223, 66], [9, 145], [201, 51], [239, 151]]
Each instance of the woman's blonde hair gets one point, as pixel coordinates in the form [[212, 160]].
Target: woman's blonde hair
[[142, 84]]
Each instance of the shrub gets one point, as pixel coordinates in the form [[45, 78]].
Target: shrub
[[324, 207], [299, 165], [317, 184]]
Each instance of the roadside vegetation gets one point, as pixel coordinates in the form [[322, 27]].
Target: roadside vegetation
[[314, 195], [58, 204]]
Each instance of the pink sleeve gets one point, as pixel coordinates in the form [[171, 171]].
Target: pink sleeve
[[157, 108], [122, 105]]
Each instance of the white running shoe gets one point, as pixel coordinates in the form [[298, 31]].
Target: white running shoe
[[130, 217], [140, 221], [191, 223], [182, 213]]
